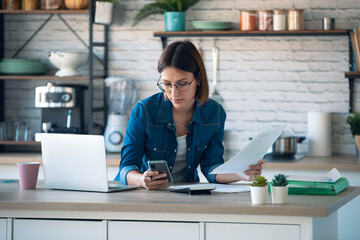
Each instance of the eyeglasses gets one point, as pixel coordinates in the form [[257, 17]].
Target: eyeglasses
[[181, 87]]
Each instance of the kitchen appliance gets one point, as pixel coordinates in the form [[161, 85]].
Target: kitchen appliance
[[120, 95], [67, 62], [62, 108], [285, 149]]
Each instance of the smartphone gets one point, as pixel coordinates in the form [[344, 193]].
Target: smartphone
[[160, 166]]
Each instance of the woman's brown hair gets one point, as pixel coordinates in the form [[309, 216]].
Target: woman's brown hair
[[184, 55]]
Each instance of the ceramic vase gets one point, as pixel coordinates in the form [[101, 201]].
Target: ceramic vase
[[279, 194], [357, 145], [103, 12], [258, 194], [174, 21]]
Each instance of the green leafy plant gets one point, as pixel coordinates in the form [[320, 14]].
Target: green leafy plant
[[259, 181], [280, 180], [354, 121], [161, 6]]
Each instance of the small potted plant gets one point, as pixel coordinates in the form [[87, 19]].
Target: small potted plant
[[354, 121], [173, 10], [104, 11], [258, 189], [279, 189]]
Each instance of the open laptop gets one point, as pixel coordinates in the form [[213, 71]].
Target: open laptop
[[76, 162]]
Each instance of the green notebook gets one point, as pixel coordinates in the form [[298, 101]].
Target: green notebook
[[318, 188]]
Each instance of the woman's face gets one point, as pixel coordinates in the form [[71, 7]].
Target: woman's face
[[184, 80]]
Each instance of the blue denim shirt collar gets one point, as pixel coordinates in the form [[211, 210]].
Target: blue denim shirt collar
[[166, 107]]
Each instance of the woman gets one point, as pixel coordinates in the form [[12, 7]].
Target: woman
[[180, 125]]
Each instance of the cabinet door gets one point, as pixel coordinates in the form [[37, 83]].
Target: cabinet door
[[234, 231], [3, 229], [124, 230], [24, 229]]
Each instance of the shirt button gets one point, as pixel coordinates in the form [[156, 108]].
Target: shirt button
[[188, 149], [169, 124], [175, 150], [155, 149], [170, 167], [189, 167]]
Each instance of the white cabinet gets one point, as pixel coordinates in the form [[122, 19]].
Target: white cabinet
[[3, 229], [128, 230], [24, 229], [254, 231]]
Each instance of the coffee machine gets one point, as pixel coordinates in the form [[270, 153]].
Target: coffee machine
[[62, 108]]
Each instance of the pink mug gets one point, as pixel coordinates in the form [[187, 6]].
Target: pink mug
[[28, 174]]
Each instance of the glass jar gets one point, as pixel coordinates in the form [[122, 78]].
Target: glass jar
[[13, 4], [296, 19], [4, 4], [265, 20], [247, 20], [52, 4], [29, 4], [279, 20]]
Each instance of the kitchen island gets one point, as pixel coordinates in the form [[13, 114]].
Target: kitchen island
[[166, 215]]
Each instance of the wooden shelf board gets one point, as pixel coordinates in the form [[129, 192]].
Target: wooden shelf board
[[352, 74], [39, 11], [252, 33], [43, 77], [19, 143]]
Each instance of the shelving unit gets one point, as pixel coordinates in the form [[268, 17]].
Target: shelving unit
[[339, 32], [90, 76]]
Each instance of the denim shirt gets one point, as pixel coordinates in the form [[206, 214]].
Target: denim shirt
[[151, 135]]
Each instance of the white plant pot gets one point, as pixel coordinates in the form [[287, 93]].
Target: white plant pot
[[279, 195], [258, 194], [103, 12]]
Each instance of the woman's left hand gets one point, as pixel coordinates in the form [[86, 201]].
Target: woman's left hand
[[254, 170]]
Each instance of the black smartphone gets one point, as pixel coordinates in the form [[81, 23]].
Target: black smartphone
[[160, 166]]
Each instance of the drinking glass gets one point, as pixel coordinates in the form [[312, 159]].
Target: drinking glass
[[3, 131]]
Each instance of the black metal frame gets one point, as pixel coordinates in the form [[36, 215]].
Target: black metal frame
[[90, 48]]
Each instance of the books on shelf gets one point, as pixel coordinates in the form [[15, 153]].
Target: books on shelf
[[355, 43]]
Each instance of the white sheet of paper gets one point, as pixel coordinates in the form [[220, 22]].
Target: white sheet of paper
[[253, 152], [332, 176]]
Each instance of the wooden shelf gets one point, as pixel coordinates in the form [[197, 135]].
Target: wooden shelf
[[43, 77], [19, 143], [39, 11], [352, 74], [251, 33]]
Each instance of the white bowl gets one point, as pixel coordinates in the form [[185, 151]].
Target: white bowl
[[67, 62]]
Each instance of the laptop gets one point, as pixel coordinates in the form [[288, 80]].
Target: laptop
[[76, 162]]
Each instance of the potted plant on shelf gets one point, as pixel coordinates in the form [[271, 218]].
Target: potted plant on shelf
[[258, 190], [279, 189], [104, 11], [173, 10], [354, 121]]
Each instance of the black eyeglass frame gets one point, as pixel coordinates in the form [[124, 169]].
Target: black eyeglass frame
[[176, 85]]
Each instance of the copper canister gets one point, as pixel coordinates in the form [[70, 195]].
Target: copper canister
[[247, 20]]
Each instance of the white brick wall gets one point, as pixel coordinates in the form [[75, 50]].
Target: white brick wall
[[264, 80]]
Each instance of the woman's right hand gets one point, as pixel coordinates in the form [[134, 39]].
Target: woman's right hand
[[153, 180]]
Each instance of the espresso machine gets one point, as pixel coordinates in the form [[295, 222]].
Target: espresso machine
[[62, 108]]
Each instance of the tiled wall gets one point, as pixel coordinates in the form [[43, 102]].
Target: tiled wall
[[264, 80]]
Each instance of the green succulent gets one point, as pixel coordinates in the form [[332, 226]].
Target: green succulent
[[354, 121], [280, 180], [259, 181], [161, 6]]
